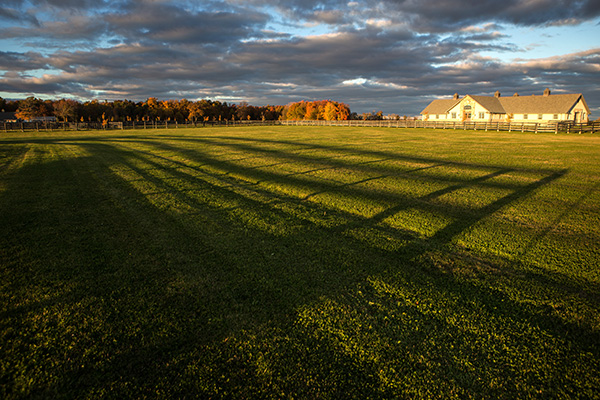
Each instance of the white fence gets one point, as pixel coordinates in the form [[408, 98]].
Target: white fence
[[555, 127], [568, 127]]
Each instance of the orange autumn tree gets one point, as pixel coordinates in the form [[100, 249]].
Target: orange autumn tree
[[295, 111], [29, 109], [316, 110], [312, 111]]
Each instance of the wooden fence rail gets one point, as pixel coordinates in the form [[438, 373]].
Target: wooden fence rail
[[554, 127]]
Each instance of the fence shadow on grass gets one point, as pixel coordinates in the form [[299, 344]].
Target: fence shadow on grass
[[201, 278]]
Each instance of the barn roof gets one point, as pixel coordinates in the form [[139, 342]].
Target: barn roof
[[546, 104], [552, 104], [492, 104], [440, 106]]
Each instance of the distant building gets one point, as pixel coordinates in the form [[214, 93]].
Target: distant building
[[545, 108], [43, 119], [7, 116]]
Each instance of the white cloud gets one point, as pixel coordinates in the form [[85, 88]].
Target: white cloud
[[355, 81], [379, 22]]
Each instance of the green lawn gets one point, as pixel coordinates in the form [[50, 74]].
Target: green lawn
[[299, 262]]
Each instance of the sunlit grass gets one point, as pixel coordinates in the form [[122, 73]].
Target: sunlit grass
[[299, 262]]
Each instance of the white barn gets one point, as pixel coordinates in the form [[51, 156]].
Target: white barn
[[546, 108]]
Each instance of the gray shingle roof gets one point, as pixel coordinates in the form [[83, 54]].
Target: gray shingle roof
[[553, 104], [440, 106], [492, 104]]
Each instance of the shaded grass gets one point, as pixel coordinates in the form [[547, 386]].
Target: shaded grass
[[292, 262]]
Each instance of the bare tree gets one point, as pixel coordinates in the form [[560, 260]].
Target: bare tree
[[65, 109]]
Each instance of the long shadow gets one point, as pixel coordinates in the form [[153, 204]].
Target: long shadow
[[475, 215], [331, 161], [263, 279], [455, 228], [231, 140], [253, 177]]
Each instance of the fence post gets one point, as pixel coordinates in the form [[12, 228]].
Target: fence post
[[556, 128], [580, 128]]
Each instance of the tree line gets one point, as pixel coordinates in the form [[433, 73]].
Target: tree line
[[183, 110], [152, 109]]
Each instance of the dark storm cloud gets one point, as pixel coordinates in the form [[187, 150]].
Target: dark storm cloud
[[135, 21], [14, 14], [441, 15], [14, 61], [67, 4], [51, 33], [22, 84], [318, 62], [174, 24]]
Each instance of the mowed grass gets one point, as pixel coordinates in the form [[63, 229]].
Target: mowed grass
[[299, 262]]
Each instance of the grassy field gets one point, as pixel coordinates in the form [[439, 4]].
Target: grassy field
[[299, 262]]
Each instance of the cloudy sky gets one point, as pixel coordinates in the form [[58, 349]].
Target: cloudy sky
[[389, 55]]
